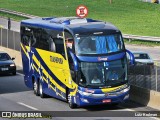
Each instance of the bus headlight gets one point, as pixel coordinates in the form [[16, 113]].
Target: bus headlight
[[84, 100], [125, 90], [84, 93]]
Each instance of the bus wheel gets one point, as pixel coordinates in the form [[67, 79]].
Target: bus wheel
[[71, 104], [14, 73], [35, 88], [42, 95]]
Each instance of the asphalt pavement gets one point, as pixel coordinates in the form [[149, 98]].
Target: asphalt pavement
[[15, 96], [154, 52]]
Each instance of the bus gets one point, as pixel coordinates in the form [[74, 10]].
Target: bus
[[79, 60]]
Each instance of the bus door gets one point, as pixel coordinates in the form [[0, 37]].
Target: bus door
[[58, 62], [69, 42], [27, 39]]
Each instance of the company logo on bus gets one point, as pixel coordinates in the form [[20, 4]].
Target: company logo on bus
[[102, 59], [89, 91], [56, 59]]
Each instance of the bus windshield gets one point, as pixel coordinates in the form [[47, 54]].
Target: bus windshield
[[103, 74], [100, 44]]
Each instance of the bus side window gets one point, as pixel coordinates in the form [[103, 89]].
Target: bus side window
[[44, 40], [35, 38], [26, 35], [59, 45], [69, 41], [52, 46]]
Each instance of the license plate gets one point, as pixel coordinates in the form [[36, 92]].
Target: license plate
[[106, 101], [4, 69]]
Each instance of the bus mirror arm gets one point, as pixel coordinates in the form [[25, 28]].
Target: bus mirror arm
[[76, 74], [131, 58], [75, 62], [58, 36]]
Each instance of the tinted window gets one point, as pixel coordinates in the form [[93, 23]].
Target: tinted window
[[69, 41], [100, 44], [141, 56], [4, 57], [26, 35], [45, 39]]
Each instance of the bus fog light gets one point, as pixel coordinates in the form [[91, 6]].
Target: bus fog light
[[85, 93], [126, 97], [84, 100]]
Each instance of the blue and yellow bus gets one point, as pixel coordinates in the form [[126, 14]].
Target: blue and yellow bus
[[78, 60]]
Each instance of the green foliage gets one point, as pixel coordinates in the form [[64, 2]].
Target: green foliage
[[14, 17], [130, 16]]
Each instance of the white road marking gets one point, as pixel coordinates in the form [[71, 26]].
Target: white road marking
[[20, 74], [33, 108]]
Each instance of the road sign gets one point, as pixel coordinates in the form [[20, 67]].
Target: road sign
[[82, 11]]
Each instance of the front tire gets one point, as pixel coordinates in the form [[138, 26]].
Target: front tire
[[70, 103], [14, 73]]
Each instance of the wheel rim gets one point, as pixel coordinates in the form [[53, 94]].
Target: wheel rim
[[35, 86], [69, 100], [40, 89]]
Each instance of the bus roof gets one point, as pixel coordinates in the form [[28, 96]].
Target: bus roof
[[75, 24]]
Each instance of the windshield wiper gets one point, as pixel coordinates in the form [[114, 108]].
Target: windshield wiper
[[87, 85], [94, 86]]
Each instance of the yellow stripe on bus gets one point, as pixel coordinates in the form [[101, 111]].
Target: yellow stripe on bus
[[45, 79], [58, 86], [35, 67], [44, 71], [57, 92], [111, 89], [24, 50]]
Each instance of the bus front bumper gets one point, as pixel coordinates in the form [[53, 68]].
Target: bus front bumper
[[96, 99]]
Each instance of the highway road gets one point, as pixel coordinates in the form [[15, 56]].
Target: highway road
[[154, 52], [15, 96]]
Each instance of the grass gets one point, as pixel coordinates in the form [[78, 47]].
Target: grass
[[14, 17], [130, 16]]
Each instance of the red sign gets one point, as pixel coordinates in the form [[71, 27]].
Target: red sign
[[82, 11]]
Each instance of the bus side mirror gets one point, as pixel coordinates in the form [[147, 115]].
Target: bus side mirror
[[75, 62], [130, 58]]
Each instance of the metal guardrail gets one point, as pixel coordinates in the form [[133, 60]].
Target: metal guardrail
[[17, 13], [137, 37], [145, 75], [9, 39]]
